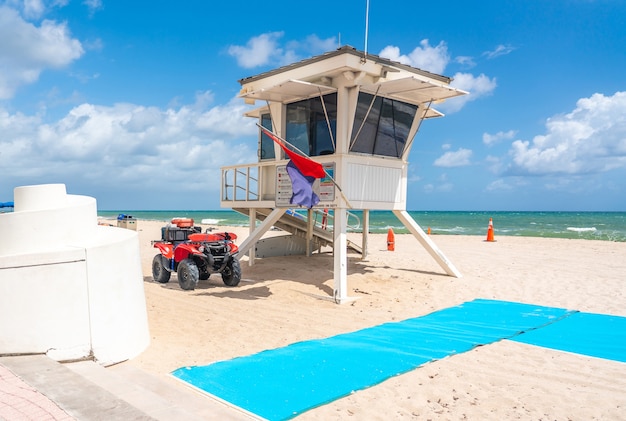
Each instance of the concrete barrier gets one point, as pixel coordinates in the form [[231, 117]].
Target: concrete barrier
[[69, 288]]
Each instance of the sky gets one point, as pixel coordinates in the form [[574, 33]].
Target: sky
[[135, 102]]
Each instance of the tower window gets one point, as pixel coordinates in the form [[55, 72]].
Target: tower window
[[266, 147], [384, 131], [307, 128]]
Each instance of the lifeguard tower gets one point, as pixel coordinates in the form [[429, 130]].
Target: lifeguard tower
[[355, 113]]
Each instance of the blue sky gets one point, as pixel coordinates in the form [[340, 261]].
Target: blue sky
[[134, 102]]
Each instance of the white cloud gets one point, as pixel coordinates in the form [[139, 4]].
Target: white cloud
[[93, 6], [458, 158], [500, 50], [26, 50], [313, 45], [494, 164], [34, 8], [443, 185], [490, 139], [93, 45], [465, 61], [477, 86], [265, 49], [590, 139], [425, 57], [258, 51], [227, 120], [499, 185], [84, 78], [435, 60], [128, 146], [413, 176]]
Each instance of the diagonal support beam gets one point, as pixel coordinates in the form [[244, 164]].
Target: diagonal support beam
[[261, 229], [428, 244]]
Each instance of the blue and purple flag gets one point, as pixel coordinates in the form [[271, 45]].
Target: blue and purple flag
[[302, 187], [303, 171]]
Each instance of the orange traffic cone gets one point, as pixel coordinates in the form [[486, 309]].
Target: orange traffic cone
[[391, 243], [490, 231]]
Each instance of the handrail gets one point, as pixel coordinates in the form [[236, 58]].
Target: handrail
[[243, 180]]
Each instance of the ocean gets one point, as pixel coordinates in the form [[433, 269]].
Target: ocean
[[605, 226]]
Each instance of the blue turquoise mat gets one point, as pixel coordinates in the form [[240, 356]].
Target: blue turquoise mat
[[596, 335], [282, 383]]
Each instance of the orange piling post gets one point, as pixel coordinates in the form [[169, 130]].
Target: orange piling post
[[391, 240], [490, 231]]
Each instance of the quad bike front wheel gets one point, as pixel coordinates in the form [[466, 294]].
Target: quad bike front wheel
[[188, 275], [159, 269], [232, 273]]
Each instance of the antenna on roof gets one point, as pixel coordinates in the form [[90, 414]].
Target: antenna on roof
[[367, 18]]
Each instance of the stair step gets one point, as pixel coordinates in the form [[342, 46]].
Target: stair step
[[77, 396]]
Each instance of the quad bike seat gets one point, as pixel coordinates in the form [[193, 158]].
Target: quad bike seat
[[212, 237]]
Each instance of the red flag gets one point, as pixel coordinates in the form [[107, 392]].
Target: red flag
[[307, 166]]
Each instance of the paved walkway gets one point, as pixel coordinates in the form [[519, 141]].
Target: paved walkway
[[35, 387], [19, 401]]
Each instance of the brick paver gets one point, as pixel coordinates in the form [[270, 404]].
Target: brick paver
[[21, 402]]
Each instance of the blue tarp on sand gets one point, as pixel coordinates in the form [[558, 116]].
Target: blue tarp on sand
[[596, 335], [282, 383]]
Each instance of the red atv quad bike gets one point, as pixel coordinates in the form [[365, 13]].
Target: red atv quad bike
[[195, 255]]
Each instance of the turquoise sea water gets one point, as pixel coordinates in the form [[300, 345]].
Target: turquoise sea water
[[606, 226]]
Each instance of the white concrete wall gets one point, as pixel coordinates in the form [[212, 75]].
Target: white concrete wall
[[68, 287], [116, 295], [43, 304]]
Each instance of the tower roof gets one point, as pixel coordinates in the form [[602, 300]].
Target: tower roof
[[319, 75], [346, 49]]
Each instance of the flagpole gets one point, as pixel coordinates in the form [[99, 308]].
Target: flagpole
[[307, 156]]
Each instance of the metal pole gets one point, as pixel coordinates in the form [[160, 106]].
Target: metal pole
[[367, 19]]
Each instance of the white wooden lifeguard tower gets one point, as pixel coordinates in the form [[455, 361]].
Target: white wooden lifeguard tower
[[355, 113]]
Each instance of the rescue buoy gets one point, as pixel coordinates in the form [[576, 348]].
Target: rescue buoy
[[183, 222], [391, 240]]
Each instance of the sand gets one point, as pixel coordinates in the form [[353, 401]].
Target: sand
[[283, 300]]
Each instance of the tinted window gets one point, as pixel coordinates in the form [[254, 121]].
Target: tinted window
[[386, 127], [307, 128], [266, 149]]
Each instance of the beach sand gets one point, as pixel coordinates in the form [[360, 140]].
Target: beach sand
[[283, 300]]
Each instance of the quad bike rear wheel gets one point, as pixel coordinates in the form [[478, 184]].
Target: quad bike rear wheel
[[188, 275], [232, 273], [159, 269]]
